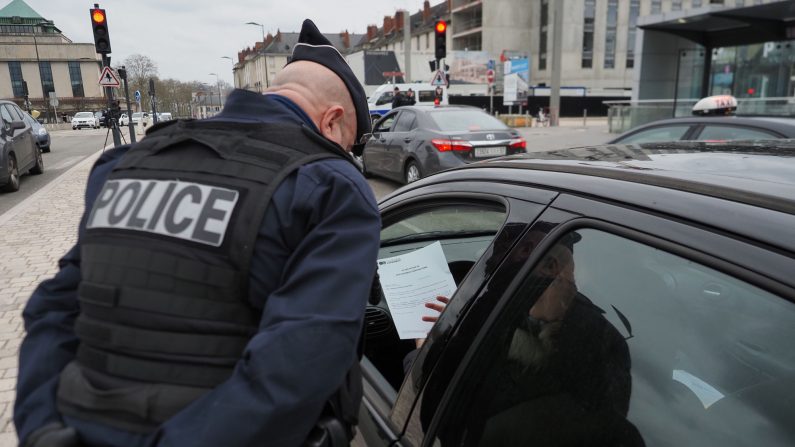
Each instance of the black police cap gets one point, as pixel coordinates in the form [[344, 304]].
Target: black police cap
[[314, 47]]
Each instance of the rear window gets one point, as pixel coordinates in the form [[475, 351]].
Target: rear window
[[84, 115], [465, 121]]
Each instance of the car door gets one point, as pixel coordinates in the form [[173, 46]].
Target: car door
[[400, 142], [19, 138], [374, 155], [616, 327], [476, 227]]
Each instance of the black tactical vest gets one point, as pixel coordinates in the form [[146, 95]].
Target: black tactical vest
[[164, 310]]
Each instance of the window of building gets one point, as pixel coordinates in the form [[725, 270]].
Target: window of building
[[696, 3], [610, 34], [15, 70], [76, 76], [716, 2], [587, 33], [47, 83], [542, 38], [656, 6], [16, 29], [676, 5], [634, 11]]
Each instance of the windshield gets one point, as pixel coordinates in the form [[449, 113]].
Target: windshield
[[137, 115], [465, 121], [84, 115]]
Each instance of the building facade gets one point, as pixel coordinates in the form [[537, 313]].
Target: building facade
[[256, 67], [33, 51]]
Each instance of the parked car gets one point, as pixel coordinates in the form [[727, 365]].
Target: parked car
[[124, 119], [413, 142], [20, 154], [40, 134], [137, 116], [165, 116], [618, 295], [85, 119]]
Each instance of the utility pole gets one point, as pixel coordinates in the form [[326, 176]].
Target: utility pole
[[152, 100], [557, 44], [406, 46]]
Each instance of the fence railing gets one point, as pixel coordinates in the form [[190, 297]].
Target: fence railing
[[625, 115]]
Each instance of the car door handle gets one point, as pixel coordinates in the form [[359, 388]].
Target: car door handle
[[407, 140], [382, 140]]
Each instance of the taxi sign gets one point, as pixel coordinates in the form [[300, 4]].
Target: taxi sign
[[716, 105], [108, 78]]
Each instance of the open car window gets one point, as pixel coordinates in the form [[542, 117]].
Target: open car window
[[464, 230]]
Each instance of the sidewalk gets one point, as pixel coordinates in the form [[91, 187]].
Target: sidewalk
[[37, 232]]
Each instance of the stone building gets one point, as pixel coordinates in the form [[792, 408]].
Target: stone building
[[33, 50]]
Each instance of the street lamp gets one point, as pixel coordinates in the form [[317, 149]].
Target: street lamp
[[234, 78], [259, 25], [38, 64], [218, 84]]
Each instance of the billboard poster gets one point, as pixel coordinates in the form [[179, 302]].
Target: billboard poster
[[516, 72], [469, 67]]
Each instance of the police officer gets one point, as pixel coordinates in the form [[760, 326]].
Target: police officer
[[215, 296]]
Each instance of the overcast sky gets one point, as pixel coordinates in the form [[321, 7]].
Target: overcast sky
[[186, 38]]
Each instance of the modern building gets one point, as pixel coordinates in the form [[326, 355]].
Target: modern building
[[33, 51], [257, 66]]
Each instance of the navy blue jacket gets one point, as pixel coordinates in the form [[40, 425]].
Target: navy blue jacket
[[311, 273]]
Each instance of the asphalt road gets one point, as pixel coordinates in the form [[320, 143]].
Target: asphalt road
[[67, 148]]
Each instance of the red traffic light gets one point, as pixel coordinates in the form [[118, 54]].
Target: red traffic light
[[441, 26], [98, 16]]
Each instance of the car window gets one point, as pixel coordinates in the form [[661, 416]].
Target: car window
[[6, 115], [16, 112], [405, 122], [425, 96], [464, 231], [385, 125], [465, 120], [662, 133], [649, 348], [385, 98], [84, 115], [716, 132]]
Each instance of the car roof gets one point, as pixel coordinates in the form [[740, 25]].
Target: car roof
[[744, 188], [785, 126]]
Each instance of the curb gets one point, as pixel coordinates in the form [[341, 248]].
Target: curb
[[18, 208]]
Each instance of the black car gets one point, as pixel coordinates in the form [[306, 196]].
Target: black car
[[40, 134], [19, 153], [409, 143], [710, 128], [634, 295]]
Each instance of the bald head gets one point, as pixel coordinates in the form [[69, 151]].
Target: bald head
[[322, 95]]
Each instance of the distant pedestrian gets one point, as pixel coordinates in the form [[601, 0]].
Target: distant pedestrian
[[410, 99], [399, 99]]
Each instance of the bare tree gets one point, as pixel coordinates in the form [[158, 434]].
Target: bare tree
[[139, 69]]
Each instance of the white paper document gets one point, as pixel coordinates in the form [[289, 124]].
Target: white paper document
[[411, 280]]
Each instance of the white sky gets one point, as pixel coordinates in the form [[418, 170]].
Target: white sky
[[186, 38]]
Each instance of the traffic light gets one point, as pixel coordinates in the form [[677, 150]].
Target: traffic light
[[440, 29], [99, 23]]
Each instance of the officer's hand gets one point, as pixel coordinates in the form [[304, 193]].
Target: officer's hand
[[53, 435]]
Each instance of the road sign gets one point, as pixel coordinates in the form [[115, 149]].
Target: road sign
[[490, 64], [108, 78], [439, 79], [490, 76], [137, 96]]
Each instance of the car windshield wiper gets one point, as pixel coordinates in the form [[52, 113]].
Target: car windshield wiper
[[439, 234]]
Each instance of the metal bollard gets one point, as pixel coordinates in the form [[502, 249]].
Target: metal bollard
[[584, 117]]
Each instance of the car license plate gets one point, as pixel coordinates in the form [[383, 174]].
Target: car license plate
[[489, 151]]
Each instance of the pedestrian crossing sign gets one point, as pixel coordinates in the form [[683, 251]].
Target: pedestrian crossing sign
[[439, 79], [108, 78]]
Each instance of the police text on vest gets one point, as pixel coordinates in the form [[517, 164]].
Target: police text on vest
[[184, 210]]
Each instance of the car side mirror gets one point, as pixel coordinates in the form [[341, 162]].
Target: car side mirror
[[15, 125], [366, 137]]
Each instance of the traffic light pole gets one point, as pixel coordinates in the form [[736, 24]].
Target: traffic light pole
[[109, 94]]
